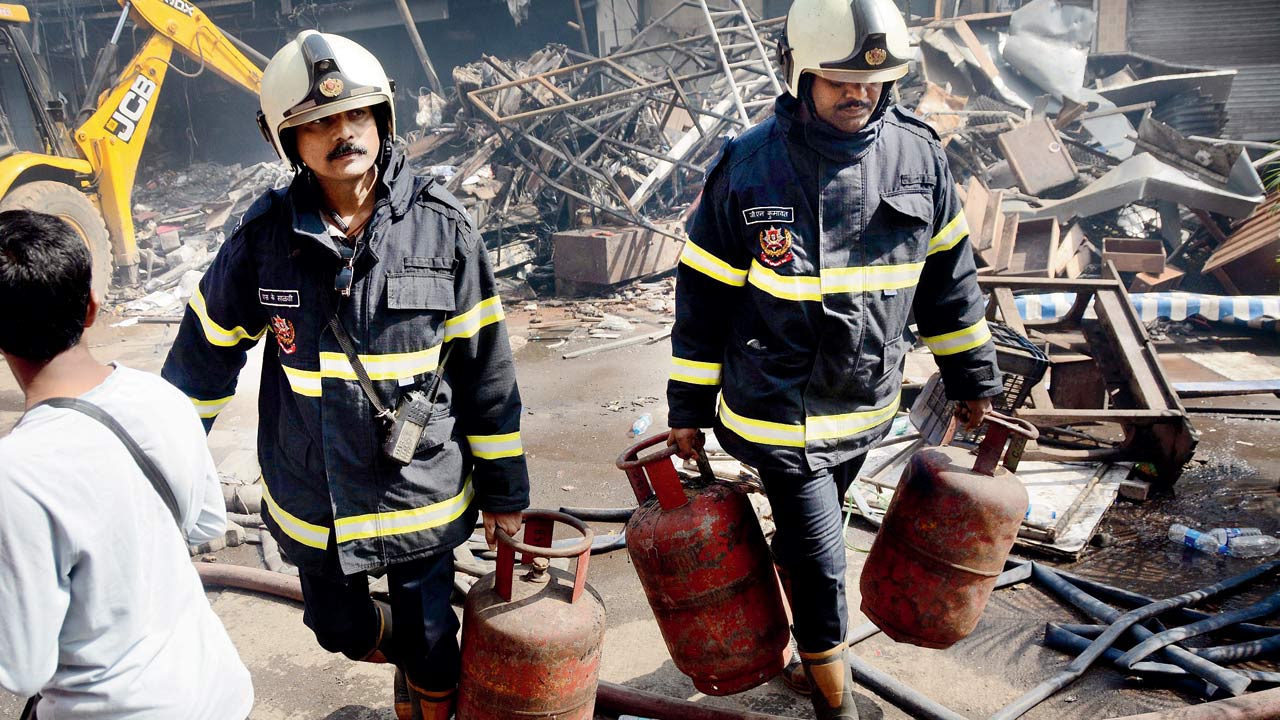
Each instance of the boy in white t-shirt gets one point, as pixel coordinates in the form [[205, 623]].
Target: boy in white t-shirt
[[101, 611]]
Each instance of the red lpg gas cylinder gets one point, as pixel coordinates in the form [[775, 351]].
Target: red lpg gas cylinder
[[945, 538], [707, 572], [531, 642]]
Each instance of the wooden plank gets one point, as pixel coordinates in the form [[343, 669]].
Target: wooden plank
[[1034, 247], [1037, 156], [1054, 417], [1134, 254], [976, 47], [1227, 387], [1048, 284], [1111, 310]]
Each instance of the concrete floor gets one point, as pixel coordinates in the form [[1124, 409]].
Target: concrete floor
[[572, 438]]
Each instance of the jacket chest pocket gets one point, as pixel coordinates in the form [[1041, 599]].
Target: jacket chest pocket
[[903, 221], [425, 283]]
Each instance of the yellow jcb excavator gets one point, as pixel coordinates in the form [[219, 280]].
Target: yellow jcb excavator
[[85, 175]]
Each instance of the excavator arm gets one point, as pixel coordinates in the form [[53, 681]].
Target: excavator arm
[[111, 138]]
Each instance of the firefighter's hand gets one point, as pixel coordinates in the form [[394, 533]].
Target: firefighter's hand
[[509, 522], [687, 441], [973, 412]]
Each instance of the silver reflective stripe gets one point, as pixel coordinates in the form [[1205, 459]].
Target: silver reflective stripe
[[708, 264], [403, 522], [493, 447], [695, 372], [304, 532], [959, 341]]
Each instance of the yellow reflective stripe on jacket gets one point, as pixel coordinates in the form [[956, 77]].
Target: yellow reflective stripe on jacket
[[708, 264], [485, 312], [952, 233], [304, 532], [215, 333], [391, 366], [761, 431], [303, 382], [695, 372], [960, 340], [210, 408], [870, 278], [785, 287], [402, 522], [834, 281], [836, 427], [817, 427], [493, 447]]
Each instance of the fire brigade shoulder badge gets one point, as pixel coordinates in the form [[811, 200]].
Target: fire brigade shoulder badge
[[284, 334], [775, 246], [331, 87], [876, 56]]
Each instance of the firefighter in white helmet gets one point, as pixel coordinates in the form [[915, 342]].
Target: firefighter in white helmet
[[819, 231], [389, 416]]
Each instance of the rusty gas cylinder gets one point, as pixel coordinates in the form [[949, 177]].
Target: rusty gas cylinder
[[531, 638], [945, 538], [706, 569]]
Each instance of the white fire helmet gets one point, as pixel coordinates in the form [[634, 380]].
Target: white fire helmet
[[858, 41], [316, 75]]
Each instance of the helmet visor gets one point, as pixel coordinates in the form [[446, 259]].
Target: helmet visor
[[860, 76], [332, 108]]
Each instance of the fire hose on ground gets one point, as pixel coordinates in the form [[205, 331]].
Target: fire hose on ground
[[1254, 706]]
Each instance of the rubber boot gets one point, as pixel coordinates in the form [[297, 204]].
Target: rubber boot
[[431, 704], [383, 640], [402, 700], [832, 679], [399, 688], [793, 675]]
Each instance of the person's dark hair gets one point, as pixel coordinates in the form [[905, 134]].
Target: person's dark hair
[[45, 275]]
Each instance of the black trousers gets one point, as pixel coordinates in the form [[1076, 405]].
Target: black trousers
[[809, 545], [424, 640]]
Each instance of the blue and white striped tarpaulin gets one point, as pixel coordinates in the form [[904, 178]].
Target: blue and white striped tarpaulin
[[1260, 312]]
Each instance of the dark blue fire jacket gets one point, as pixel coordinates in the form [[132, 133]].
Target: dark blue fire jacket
[[806, 255], [422, 283]]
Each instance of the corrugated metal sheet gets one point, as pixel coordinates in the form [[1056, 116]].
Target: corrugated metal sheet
[[1253, 111], [1223, 33], [1241, 34]]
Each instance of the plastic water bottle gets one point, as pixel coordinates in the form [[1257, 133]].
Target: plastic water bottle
[[1224, 535], [1249, 546], [641, 424], [1040, 516], [1203, 542]]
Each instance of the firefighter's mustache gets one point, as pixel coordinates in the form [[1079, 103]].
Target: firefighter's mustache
[[347, 148], [852, 104]]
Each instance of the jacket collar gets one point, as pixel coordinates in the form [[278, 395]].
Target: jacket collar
[[394, 190], [811, 132]]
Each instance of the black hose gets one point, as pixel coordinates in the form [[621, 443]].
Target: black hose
[[1216, 674], [620, 515], [1059, 638], [1258, 610], [1234, 653], [1234, 682], [1131, 599], [898, 694]]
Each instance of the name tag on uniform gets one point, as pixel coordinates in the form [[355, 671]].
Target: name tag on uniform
[[279, 298], [769, 215]]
